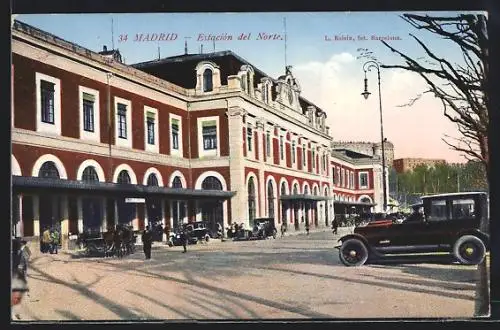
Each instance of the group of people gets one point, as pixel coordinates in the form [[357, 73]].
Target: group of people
[[50, 240]]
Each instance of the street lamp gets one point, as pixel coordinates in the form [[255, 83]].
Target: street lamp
[[367, 67]]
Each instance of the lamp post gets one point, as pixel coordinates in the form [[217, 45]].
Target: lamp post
[[367, 67]]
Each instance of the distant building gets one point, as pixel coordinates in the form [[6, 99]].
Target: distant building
[[368, 148], [408, 164]]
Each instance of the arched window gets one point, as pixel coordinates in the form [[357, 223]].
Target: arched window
[[207, 80], [295, 189], [177, 183], [153, 180], [270, 199], [124, 178], [251, 200], [306, 190], [243, 82], [315, 191], [49, 171], [89, 174], [211, 183]]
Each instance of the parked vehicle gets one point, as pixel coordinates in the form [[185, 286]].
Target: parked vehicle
[[263, 228], [447, 223]]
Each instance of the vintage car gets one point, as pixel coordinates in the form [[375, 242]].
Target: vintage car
[[455, 224], [263, 228]]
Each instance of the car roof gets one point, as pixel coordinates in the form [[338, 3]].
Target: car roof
[[468, 193]]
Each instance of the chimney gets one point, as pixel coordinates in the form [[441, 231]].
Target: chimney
[[185, 47], [104, 48]]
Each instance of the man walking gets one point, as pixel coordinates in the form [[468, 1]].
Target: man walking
[[335, 226], [283, 229], [46, 240], [184, 239], [147, 241]]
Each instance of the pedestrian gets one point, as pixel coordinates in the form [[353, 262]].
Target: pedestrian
[[147, 241], [54, 241], [335, 226], [220, 232], [19, 287], [282, 229], [184, 239], [46, 240], [307, 227], [167, 233]]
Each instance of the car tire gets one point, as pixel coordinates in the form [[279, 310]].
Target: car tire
[[207, 238], [469, 250], [353, 252]]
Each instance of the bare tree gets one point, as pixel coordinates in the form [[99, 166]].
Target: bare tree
[[461, 88]]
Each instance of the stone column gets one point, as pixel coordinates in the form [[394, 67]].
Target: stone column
[[20, 223], [79, 204], [64, 222], [236, 165], [262, 210], [104, 210], [36, 215]]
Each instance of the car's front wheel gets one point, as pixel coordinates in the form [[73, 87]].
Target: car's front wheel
[[469, 250], [353, 252]]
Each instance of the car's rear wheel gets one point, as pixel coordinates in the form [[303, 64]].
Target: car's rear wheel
[[469, 250], [353, 252], [207, 238]]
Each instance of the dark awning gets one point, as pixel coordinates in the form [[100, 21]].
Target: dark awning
[[25, 184], [301, 197], [354, 203]]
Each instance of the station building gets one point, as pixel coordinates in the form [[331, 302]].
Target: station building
[[193, 137]]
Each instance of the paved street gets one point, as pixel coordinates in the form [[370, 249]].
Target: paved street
[[294, 277]]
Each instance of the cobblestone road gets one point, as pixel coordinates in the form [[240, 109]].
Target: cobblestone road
[[293, 277]]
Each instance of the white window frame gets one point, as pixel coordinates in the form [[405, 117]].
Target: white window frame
[[121, 142], [156, 146], [201, 151], [251, 145], [304, 157], [293, 145], [282, 148], [343, 183], [173, 151], [46, 127], [96, 134], [269, 157], [367, 180]]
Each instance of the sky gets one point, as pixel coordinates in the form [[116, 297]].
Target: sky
[[325, 64]]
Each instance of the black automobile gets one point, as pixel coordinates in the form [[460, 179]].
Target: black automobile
[[264, 228], [453, 224]]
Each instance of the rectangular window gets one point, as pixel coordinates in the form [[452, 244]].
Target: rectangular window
[[293, 152], [88, 112], [249, 138], [363, 180], [438, 211], [304, 155], [209, 132], [47, 107], [122, 121], [175, 134], [463, 209], [313, 159], [282, 153], [150, 122], [268, 144], [333, 175]]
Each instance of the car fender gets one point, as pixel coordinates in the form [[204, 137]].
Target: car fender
[[349, 236], [475, 232]]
